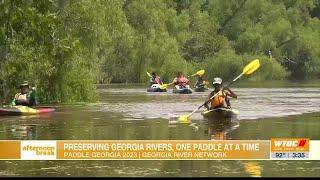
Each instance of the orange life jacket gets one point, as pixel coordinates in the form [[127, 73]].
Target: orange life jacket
[[218, 100]]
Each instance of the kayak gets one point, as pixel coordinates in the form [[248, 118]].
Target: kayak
[[182, 91], [156, 90], [24, 110], [200, 89], [220, 113]]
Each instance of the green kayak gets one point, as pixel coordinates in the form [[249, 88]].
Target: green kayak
[[220, 113]]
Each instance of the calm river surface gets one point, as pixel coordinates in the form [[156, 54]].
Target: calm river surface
[[124, 113]]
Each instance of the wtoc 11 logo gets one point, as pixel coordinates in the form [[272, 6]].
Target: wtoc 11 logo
[[38, 150], [290, 144]]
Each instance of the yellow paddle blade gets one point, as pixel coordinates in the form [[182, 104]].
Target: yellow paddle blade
[[184, 119], [251, 67], [149, 74], [163, 86], [201, 72]]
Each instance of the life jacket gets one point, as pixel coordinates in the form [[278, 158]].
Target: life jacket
[[218, 100], [28, 99], [156, 80], [182, 81], [21, 99]]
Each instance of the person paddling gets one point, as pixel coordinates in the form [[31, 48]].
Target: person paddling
[[180, 81], [27, 96], [221, 100], [155, 79], [200, 82]]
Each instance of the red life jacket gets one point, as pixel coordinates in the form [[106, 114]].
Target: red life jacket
[[158, 80], [182, 81]]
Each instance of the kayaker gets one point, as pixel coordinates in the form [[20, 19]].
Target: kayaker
[[27, 96], [221, 100], [180, 81], [200, 82], [155, 79]]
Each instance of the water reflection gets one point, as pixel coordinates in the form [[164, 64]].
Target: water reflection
[[220, 129], [253, 168], [23, 132], [27, 117], [24, 127]]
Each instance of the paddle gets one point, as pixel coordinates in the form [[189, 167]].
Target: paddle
[[149, 74], [164, 86], [200, 73], [247, 70]]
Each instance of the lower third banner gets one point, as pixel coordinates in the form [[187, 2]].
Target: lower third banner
[[276, 149]]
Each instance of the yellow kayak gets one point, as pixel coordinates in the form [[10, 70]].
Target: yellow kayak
[[24, 110], [220, 113]]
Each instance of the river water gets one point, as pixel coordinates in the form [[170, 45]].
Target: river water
[[124, 113]]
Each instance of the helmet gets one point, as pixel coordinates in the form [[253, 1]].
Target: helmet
[[217, 80]]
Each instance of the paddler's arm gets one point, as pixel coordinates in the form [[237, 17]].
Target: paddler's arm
[[33, 97], [230, 93], [203, 83], [160, 80], [175, 81], [151, 80], [208, 101], [13, 103]]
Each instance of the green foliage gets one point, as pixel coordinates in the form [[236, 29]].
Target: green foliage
[[269, 69], [225, 64], [229, 65], [40, 50]]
